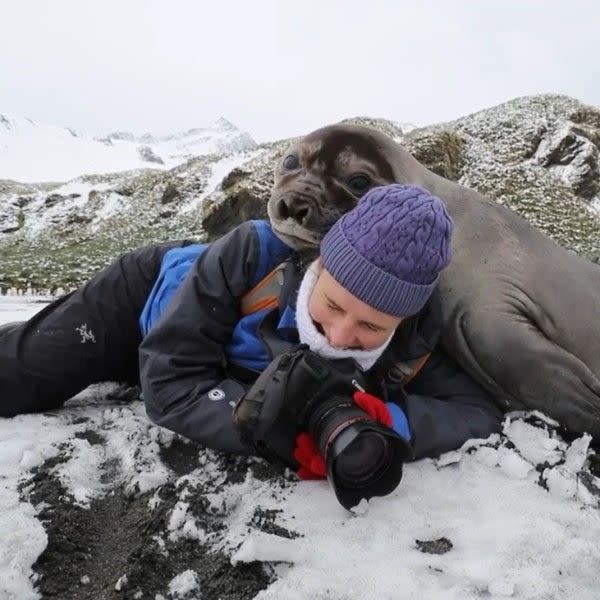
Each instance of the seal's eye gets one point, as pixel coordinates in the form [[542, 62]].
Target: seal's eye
[[291, 162], [359, 183]]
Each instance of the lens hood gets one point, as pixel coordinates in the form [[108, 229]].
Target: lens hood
[[385, 477]]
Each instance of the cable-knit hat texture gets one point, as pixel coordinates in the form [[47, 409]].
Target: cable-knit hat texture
[[389, 250]]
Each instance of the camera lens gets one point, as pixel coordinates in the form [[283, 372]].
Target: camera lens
[[364, 460]]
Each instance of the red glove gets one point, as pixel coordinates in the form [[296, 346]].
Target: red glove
[[306, 452], [374, 407]]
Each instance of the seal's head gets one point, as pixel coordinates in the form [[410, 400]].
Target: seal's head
[[324, 175]]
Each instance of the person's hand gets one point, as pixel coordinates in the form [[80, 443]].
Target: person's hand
[[373, 406], [386, 413], [277, 406], [306, 452]]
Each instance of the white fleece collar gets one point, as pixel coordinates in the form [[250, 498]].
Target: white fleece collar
[[317, 342]]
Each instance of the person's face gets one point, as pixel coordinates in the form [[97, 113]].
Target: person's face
[[346, 321]]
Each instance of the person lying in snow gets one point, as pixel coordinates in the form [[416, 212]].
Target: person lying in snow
[[191, 324]]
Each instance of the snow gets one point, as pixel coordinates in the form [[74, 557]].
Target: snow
[[46, 215], [218, 171], [405, 126], [184, 583], [510, 536], [111, 206], [80, 187], [20, 308], [182, 525], [121, 583], [32, 152], [507, 534], [535, 445]]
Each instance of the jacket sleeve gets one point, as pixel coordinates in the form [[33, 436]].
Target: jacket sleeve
[[445, 407], [182, 359]]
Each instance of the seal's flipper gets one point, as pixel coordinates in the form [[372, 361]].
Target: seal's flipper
[[513, 359]]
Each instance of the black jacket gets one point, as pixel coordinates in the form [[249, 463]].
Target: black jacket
[[184, 367]]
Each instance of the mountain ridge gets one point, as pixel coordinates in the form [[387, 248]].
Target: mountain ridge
[[537, 155]]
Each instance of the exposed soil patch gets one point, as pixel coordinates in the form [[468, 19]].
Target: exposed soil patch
[[121, 540], [91, 436], [181, 457]]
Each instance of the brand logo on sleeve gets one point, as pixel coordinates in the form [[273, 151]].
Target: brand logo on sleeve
[[216, 394], [87, 335]]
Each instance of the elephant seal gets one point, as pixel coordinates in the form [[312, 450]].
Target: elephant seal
[[520, 313]]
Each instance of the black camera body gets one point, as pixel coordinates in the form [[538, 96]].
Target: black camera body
[[364, 458]]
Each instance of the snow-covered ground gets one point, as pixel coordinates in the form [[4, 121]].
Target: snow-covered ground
[[500, 533], [20, 308]]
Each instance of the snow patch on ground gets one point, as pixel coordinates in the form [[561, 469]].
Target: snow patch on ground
[[183, 584], [517, 513], [112, 205], [509, 536]]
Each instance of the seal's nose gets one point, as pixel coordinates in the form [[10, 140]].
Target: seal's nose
[[295, 208]]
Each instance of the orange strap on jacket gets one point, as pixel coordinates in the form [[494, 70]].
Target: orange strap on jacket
[[265, 294]]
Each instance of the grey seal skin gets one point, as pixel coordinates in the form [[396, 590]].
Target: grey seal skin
[[520, 313]]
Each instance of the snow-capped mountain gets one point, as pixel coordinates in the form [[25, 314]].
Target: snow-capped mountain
[[405, 126], [32, 152]]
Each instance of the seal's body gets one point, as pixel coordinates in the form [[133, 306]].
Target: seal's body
[[520, 313]]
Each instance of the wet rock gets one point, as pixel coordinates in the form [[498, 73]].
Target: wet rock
[[148, 155], [10, 228], [170, 193], [53, 199], [78, 219], [440, 150], [439, 546], [94, 439], [569, 147], [384, 125], [266, 520], [494, 151], [237, 208], [588, 119], [233, 177], [167, 213]]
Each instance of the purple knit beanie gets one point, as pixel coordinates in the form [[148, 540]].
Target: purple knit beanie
[[389, 250]]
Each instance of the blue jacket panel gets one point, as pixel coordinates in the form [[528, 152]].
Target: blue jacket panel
[[177, 263], [175, 266]]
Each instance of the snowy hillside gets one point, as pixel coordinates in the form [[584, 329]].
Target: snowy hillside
[[33, 152], [537, 155]]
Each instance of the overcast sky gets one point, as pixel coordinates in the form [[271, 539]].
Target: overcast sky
[[283, 68]]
